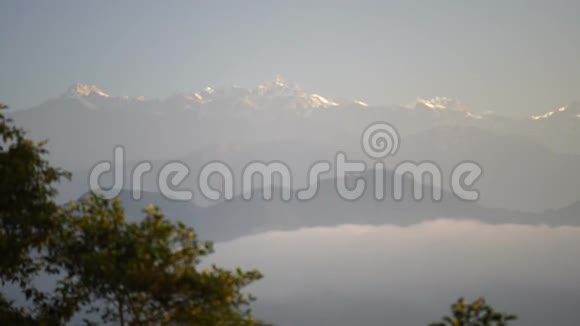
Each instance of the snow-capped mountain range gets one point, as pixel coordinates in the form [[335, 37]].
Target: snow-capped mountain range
[[570, 111], [282, 94], [279, 120], [276, 109], [277, 93]]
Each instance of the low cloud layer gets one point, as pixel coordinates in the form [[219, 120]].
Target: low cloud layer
[[377, 275]]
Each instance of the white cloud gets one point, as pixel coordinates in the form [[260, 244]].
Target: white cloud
[[444, 259]]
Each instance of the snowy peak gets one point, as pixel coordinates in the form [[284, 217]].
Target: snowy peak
[[447, 106], [270, 95], [360, 103], [282, 94], [570, 111], [440, 103], [319, 101], [83, 90], [275, 94], [278, 86]]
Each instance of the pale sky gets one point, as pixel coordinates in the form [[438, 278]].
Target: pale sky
[[513, 57]]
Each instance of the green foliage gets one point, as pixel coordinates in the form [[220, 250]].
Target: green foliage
[[477, 313], [26, 213], [26, 205], [142, 273]]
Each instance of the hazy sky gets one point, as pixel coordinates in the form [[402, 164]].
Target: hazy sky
[[514, 57]]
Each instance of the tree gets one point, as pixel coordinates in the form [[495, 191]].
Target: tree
[[477, 313], [26, 212], [144, 273], [129, 273]]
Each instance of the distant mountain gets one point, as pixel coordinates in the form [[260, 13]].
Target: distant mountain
[[566, 113], [519, 174], [568, 214], [278, 120], [275, 94], [229, 220], [558, 129], [80, 90]]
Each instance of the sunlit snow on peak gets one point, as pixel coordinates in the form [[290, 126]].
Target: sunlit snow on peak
[[474, 116], [278, 86], [568, 111], [81, 89], [279, 81], [319, 101], [543, 116], [361, 103], [441, 103]]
